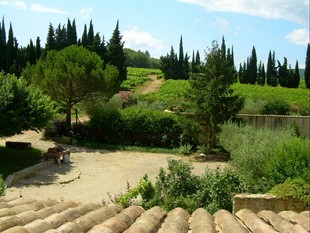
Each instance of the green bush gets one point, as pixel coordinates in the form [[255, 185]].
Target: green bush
[[250, 149], [179, 187], [296, 188], [276, 107], [136, 126], [290, 159]]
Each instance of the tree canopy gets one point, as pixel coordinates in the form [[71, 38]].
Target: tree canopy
[[72, 75], [22, 106]]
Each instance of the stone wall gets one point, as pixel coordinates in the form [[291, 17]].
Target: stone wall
[[278, 121], [258, 202]]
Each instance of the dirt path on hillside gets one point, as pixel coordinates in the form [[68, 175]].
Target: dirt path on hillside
[[152, 86], [91, 174]]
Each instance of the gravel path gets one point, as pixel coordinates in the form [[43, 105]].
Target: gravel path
[[91, 174]]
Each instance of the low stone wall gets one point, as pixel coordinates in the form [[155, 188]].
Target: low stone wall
[[278, 121], [13, 178], [258, 202]]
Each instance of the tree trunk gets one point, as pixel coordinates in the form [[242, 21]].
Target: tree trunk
[[68, 116]]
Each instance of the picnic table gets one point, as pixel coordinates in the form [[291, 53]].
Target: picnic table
[[57, 153]]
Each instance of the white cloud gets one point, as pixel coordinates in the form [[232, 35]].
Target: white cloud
[[85, 12], [20, 5], [293, 10], [44, 9], [137, 39], [222, 24], [299, 36]]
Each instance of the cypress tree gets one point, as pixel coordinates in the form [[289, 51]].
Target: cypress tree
[[31, 56], [115, 53], [240, 73], [9, 50], [181, 53], [71, 33], [307, 67], [274, 74], [185, 67], [284, 77], [90, 34], [2, 46], [197, 61], [84, 37], [50, 40], [296, 77], [252, 69], [232, 57], [38, 49], [193, 62], [269, 68], [223, 48], [61, 37], [103, 52]]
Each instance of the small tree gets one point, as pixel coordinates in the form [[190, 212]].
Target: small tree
[[72, 75], [22, 107], [211, 96]]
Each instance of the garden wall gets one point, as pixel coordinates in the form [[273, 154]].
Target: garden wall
[[278, 121], [258, 202]]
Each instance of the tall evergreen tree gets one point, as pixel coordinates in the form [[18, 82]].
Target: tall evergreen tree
[[10, 50], [307, 67], [90, 34], [38, 49], [296, 77], [61, 37], [223, 48], [84, 37], [252, 68], [50, 40], [271, 74], [197, 61], [181, 53], [185, 67], [31, 54], [115, 53], [283, 74], [71, 33], [193, 62], [260, 74], [2, 46]]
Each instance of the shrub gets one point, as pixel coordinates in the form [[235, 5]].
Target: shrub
[[57, 128], [250, 149], [290, 159], [276, 107], [178, 187], [136, 126], [296, 188]]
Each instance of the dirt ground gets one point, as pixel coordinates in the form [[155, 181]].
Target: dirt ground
[[91, 174]]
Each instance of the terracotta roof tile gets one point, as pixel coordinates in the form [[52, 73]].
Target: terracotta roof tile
[[22, 215]]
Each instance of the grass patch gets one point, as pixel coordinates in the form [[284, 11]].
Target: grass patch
[[13, 160]]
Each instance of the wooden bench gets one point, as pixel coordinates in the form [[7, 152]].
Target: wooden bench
[[57, 153]]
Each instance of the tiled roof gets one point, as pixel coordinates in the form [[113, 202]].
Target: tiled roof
[[23, 215]]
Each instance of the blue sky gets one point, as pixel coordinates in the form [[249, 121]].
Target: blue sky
[[155, 25]]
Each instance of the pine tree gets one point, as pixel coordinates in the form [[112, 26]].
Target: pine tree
[[2, 46], [115, 53], [307, 67], [38, 49], [50, 40]]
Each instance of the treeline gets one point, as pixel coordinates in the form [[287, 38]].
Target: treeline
[[176, 66], [13, 58], [252, 72]]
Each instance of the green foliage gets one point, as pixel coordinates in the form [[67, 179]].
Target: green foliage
[[211, 97], [185, 148], [289, 159], [296, 188], [276, 107], [135, 126], [22, 106], [140, 59], [72, 75], [248, 145], [297, 98], [177, 186], [13, 160]]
